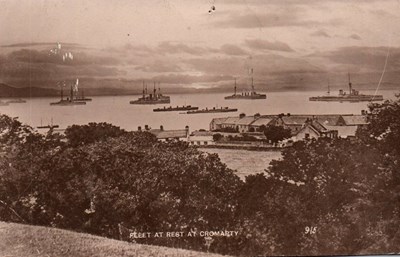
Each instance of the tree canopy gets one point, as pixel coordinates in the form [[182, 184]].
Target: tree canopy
[[323, 197]]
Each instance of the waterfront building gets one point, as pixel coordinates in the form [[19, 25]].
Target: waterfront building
[[312, 128], [344, 124], [168, 135], [216, 123], [262, 121], [201, 138]]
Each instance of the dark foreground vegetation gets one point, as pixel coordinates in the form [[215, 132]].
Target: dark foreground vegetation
[[325, 197]]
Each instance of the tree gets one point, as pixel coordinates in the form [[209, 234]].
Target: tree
[[275, 133], [131, 179], [85, 134], [217, 137]]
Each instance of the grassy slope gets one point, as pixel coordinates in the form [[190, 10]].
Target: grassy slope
[[24, 240]]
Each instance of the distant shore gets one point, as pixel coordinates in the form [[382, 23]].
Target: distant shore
[[7, 91]]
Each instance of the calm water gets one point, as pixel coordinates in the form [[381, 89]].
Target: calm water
[[118, 111]]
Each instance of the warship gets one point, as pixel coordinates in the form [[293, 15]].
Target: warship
[[155, 98], [177, 108], [213, 110], [352, 96], [252, 95], [71, 100]]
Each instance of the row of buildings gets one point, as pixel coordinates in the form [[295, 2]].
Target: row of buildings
[[301, 127]]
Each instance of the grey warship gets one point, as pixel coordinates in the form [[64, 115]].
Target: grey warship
[[352, 96], [70, 101], [155, 98], [252, 95]]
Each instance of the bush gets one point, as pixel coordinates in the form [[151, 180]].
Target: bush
[[129, 179], [275, 133]]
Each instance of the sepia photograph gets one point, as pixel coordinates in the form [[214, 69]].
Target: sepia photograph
[[199, 128]]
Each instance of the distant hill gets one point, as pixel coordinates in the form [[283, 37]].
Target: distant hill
[[9, 91], [26, 240]]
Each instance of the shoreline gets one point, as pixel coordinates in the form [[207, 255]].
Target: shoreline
[[244, 147]]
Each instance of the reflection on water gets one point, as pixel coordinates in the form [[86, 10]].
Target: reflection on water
[[118, 111]]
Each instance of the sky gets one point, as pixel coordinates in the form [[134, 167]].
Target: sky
[[289, 44]]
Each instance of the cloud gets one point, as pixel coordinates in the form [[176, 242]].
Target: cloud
[[35, 44], [367, 58], [216, 65], [79, 58], [263, 65], [137, 50], [230, 49], [355, 37], [159, 66], [291, 2], [259, 44], [190, 79], [32, 65], [43, 71], [320, 33], [282, 18], [179, 48]]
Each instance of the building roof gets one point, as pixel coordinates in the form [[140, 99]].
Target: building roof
[[219, 120], [231, 120], [329, 120], [247, 120], [202, 133], [295, 119], [354, 120], [318, 126], [262, 121], [344, 131], [165, 134], [314, 125]]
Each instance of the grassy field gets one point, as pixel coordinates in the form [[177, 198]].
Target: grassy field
[[18, 240], [245, 162]]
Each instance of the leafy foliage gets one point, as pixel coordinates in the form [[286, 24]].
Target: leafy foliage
[[275, 133], [100, 176], [86, 134], [130, 179]]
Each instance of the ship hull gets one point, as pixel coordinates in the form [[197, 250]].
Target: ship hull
[[159, 101], [245, 97], [68, 103], [358, 98], [212, 111], [83, 100], [187, 108]]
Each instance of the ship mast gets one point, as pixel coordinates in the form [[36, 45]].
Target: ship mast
[[350, 84], [72, 94], [252, 82], [143, 88], [235, 86], [329, 89]]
